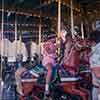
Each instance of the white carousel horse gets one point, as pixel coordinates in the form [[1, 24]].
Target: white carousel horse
[[18, 47], [6, 47]]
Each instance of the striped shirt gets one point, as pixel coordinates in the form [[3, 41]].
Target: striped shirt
[[95, 56]]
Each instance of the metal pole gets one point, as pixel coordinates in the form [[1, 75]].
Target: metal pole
[[82, 30], [40, 40], [82, 19], [15, 35], [72, 21], [59, 24], [2, 37], [59, 18]]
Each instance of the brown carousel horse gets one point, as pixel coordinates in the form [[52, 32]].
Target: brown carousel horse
[[69, 85], [73, 66]]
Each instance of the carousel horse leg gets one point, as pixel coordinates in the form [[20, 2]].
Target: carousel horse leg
[[87, 80], [87, 92], [78, 92], [72, 89]]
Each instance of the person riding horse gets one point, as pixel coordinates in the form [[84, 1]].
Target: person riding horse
[[49, 57]]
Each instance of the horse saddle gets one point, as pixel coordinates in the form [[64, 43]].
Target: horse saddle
[[65, 76], [39, 74]]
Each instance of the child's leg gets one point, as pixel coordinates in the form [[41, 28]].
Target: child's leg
[[18, 74], [48, 77]]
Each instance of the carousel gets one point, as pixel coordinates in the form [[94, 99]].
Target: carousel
[[24, 27]]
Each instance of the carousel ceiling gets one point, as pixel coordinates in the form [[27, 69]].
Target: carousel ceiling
[[90, 4], [29, 11], [47, 7]]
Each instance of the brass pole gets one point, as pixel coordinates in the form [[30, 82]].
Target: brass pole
[[59, 25], [82, 30], [82, 22], [72, 21], [59, 18]]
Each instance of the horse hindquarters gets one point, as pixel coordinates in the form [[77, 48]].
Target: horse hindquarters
[[70, 87]]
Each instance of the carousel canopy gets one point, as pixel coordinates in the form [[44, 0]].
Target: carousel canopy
[[47, 7], [29, 13]]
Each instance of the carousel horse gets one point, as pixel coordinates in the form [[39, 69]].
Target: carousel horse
[[34, 82], [73, 66]]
